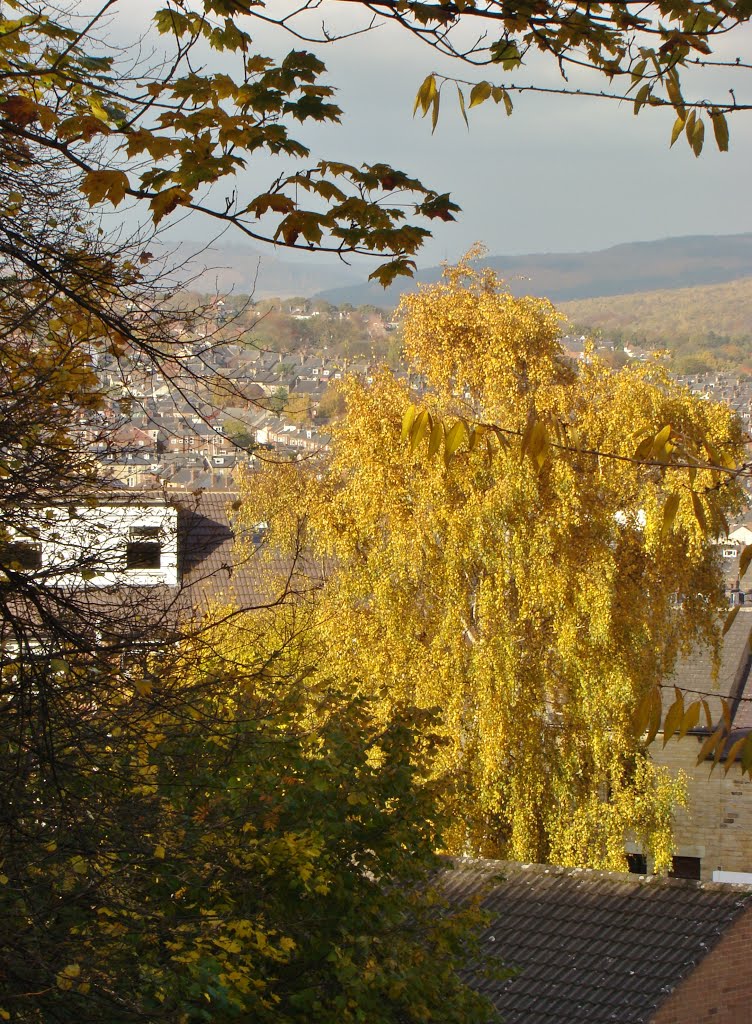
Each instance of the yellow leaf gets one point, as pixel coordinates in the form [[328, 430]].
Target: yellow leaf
[[669, 514], [437, 435], [729, 620], [699, 511], [732, 753], [99, 186], [677, 129], [720, 130], [691, 718], [407, 421], [660, 439], [710, 744], [67, 976], [419, 429], [159, 852], [674, 716], [454, 438], [165, 202], [479, 93], [744, 559]]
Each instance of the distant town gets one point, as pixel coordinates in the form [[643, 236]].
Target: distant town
[[254, 380]]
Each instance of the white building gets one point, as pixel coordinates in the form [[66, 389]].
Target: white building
[[112, 543]]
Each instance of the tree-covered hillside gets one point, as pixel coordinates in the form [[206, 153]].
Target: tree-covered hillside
[[706, 328]]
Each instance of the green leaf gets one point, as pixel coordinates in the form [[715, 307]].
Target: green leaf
[[386, 273]]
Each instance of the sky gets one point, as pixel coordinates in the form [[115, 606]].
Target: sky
[[560, 175]]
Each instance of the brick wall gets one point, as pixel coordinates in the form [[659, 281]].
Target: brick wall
[[717, 824], [719, 990]]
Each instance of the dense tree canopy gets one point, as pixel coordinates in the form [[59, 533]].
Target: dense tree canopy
[[213, 843], [532, 589]]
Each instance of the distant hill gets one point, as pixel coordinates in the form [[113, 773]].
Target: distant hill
[[709, 325], [724, 310], [620, 270], [245, 270]]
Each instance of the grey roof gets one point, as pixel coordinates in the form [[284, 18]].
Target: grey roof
[[592, 947]]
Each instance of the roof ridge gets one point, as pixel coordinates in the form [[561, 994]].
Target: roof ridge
[[627, 877]]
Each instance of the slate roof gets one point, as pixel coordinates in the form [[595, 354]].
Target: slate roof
[[592, 947]]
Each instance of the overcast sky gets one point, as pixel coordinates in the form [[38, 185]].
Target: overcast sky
[[561, 174]]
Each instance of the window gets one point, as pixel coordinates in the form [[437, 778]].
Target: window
[[638, 863], [22, 554], [685, 867], [144, 549]]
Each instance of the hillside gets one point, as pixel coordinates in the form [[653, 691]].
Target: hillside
[[241, 269], [623, 269], [707, 328]]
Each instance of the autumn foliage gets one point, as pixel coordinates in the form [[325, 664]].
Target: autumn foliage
[[528, 553]]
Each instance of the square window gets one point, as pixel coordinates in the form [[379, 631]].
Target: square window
[[685, 867], [638, 863], [143, 554]]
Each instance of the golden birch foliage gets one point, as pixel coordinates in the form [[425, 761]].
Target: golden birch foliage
[[535, 601]]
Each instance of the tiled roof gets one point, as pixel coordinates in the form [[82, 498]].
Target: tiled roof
[[219, 561], [591, 947]]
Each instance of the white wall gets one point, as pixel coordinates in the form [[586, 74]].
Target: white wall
[[89, 545]]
